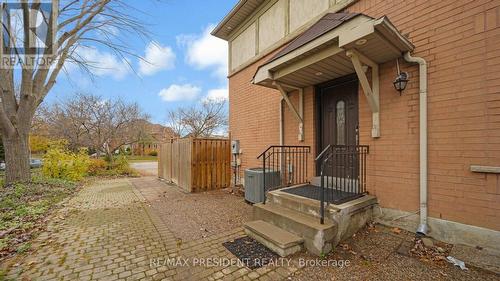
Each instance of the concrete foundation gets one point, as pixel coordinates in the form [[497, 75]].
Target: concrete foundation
[[352, 216], [443, 230]]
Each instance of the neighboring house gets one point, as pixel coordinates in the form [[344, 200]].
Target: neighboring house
[[154, 136], [308, 76]]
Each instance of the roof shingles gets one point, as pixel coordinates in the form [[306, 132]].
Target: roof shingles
[[324, 25]]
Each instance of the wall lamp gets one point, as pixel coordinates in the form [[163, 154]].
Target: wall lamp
[[401, 80]]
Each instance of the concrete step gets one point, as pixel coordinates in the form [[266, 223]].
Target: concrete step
[[317, 237], [278, 240], [298, 203]]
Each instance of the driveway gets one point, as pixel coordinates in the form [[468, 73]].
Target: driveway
[[146, 168]]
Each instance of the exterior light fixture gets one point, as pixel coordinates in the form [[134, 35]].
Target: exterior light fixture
[[401, 80], [319, 73], [361, 42]]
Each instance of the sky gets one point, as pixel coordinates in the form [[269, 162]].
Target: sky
[[186, 64]]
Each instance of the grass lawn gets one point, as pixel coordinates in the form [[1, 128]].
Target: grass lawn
[[133, 159], [24, 206]]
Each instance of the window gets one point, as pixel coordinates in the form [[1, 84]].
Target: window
[[340, 120]]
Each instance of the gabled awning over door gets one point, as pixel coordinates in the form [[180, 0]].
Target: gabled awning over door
[[319, 54], [337, 45]]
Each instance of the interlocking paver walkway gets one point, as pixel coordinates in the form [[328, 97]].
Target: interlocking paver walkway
[[108, 232]]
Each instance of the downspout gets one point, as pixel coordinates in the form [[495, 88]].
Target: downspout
[[423, 227], [282, 125], [282, 137]]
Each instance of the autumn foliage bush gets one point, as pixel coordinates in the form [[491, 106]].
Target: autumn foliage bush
[[41, 144], [118, 167], [97, 167], [60, 163]]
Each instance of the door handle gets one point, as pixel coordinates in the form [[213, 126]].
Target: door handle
[[357, 134]]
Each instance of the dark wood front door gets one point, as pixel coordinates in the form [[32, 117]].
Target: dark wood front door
[[338, 120]]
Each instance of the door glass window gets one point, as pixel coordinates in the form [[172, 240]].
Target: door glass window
[[340, 120]]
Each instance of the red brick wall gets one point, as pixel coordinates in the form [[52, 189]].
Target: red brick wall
[[253, 115], [460, 40], [291, 133]]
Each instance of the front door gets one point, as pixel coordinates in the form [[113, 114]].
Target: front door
[[338, 123]]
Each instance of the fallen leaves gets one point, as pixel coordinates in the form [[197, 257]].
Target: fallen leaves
[[429, 254], [348, 249], [396, 230], [179, 243], [7, 232], [372, 227], [26, 210]]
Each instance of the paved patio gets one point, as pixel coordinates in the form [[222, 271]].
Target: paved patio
[[108, 232], [119, 230]]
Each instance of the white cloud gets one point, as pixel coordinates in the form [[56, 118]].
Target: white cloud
[[156, 58], [101, 63], [222, 131], [218, 94], [106, 31], [205, 51], [180, 92]]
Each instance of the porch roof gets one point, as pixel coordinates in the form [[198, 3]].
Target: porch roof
[[319, 54]]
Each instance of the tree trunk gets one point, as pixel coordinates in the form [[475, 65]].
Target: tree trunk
[[110, 157], [17, 158]]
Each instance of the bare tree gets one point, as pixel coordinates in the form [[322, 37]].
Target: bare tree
[[175, 121], [38, 124], [199, 121], [93, 122], [76, 24]]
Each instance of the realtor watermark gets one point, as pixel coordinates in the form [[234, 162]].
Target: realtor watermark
[[28, 35], [225, 262]]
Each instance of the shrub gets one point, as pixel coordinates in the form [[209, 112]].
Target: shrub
[[40, 144], [120, 166], [62, 164], [153, 153], [97, 167]]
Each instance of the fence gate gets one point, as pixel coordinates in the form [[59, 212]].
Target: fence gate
[[196, 164]]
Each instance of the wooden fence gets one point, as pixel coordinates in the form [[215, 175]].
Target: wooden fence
[[196, 164]]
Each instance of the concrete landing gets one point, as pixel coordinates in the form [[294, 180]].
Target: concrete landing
[[301, 216], [278, 240]]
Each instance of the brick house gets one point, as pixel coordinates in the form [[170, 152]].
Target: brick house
[[313, 76], [154, 136]]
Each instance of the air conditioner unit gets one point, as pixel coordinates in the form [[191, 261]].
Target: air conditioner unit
[[254, 180]]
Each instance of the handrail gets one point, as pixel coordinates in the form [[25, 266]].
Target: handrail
[[323, 152], [288, 161], [281, 146], [346, 174]]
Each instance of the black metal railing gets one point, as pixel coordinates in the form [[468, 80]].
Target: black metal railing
[[343, 174], [283, 166]]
